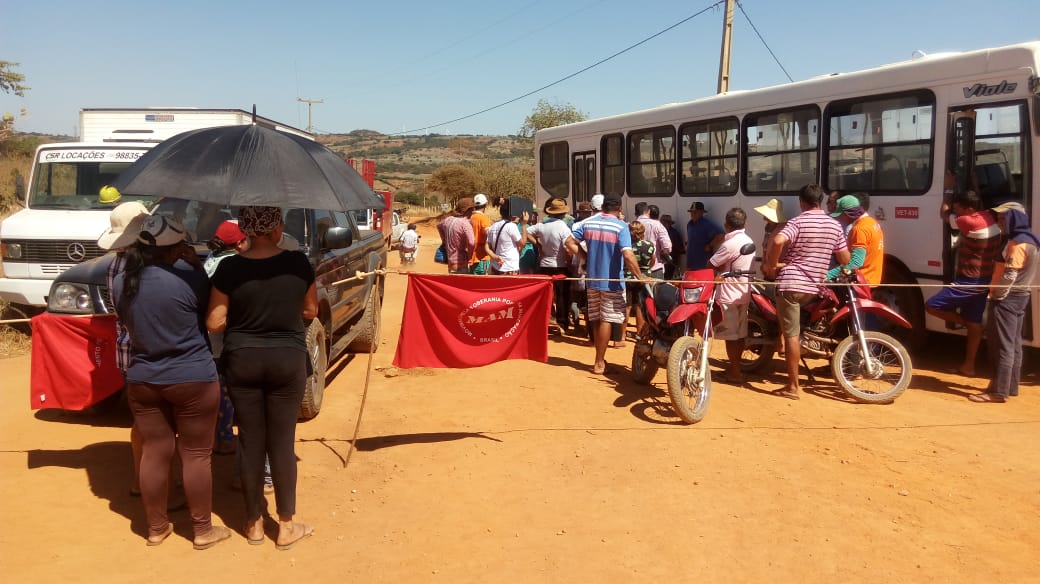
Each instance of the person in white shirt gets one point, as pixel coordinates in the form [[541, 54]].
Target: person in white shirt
[[504, 242], [734, 294], [409, 244], [554, 260]]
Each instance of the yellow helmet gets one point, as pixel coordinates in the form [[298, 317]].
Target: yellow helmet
[[109, 194]]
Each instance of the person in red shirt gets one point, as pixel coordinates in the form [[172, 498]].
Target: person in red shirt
[[978, 248]]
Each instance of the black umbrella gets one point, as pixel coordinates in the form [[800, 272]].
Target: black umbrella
[[248, 165]]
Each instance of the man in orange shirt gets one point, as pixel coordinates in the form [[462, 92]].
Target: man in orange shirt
[[865, 237], [480, 261]]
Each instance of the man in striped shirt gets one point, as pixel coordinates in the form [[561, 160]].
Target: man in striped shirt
[[807, 243], [457, 236], [609, 244]]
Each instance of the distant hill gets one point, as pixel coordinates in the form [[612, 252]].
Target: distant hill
[[404, 162]]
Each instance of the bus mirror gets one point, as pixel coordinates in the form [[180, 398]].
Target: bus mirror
[[19, 188]]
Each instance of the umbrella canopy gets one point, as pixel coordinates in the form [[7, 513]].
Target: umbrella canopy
[[248, 165]]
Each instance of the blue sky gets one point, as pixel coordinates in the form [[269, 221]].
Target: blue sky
[[402, 65]]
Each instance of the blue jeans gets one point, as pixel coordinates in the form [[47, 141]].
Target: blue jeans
[[1004, 343]]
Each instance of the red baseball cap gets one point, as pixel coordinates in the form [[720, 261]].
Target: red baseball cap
[[230, 233]]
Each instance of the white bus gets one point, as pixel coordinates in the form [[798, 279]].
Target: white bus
[[892, 132]]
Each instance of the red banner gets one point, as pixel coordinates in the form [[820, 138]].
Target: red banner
[[73, 361], [465, 321]]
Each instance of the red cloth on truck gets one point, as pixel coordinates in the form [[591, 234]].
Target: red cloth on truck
[[463, 321], [73, 361]]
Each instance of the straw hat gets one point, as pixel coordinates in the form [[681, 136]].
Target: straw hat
[[464, 205], [773, 211], [125, 222], [556, 207]]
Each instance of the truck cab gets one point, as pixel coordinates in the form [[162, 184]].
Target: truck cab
[[63, 216], [65, 210]]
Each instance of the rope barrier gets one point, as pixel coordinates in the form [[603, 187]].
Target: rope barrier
[[21, 320], [760, 282], [385, 271]]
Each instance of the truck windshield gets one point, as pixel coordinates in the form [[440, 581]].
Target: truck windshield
[[200, 219], [72, 179]]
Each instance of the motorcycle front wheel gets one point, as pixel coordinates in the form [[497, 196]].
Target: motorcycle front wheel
[[688, 387], [879, 378]]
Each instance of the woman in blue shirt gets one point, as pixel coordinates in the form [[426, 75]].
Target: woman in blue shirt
[[171, 379]]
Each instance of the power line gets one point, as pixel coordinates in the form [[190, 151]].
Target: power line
[[567, 17], [561, 80], [459, 41], [755, 28]]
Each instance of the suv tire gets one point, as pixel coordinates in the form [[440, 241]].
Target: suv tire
[[317, 352], [370, 325]]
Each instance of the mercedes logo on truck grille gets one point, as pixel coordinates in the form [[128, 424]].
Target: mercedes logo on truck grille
[[76, 252]]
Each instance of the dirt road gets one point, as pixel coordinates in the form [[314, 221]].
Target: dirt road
[[531, 472]]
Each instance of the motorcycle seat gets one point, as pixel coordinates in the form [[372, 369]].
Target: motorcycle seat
[[666, 298]]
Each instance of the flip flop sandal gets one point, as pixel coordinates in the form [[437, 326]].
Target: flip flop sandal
[[307, 532], [785, 393], [224, 534], [257, 541], [987, 398], [162, 536]]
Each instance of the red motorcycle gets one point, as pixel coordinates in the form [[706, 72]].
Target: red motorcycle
[[673, 312], [870, 367]]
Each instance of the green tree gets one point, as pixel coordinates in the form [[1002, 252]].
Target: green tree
[[500, 179], [548, 115], [454, 181], [10, 82]]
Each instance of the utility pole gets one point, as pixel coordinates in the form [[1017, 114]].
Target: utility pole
[[727, 40], [309, 102]]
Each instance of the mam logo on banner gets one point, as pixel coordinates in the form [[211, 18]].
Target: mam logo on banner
[[463, 321], [491, 320]]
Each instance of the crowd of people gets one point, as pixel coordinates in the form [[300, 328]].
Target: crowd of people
[[203, 345], [207, 346], [607, 260]]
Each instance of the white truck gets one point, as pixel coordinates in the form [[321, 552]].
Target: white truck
[[64, 211]]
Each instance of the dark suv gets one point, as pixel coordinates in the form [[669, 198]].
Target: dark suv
[[348, 314]]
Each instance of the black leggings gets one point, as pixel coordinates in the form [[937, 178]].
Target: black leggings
[[561, 295], [266, 387]]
